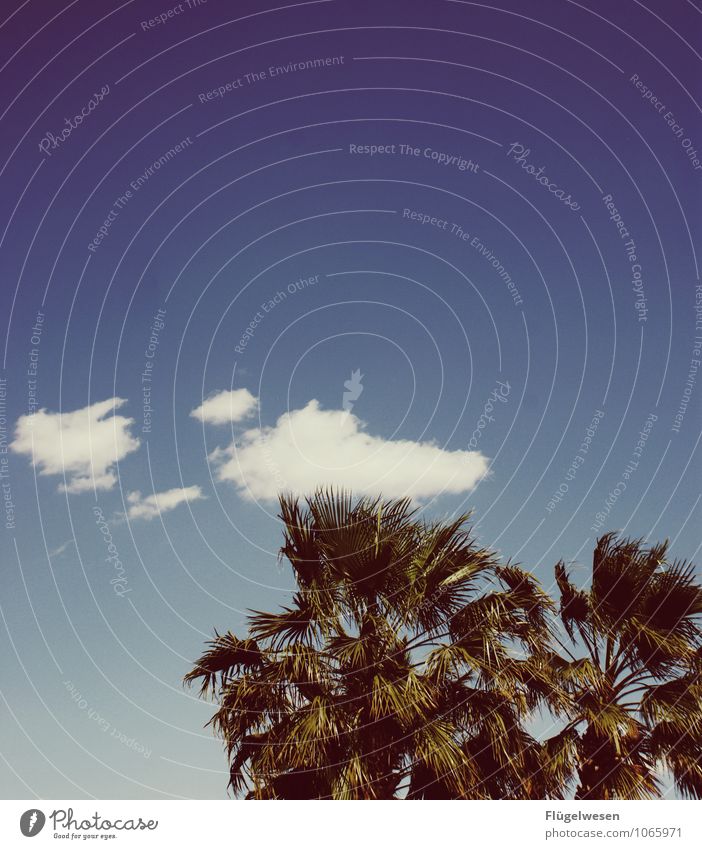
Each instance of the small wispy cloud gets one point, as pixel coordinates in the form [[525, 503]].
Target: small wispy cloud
[[230, 405], [57, 552], [150, 506]]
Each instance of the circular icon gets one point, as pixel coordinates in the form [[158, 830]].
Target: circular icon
[[32, 822]]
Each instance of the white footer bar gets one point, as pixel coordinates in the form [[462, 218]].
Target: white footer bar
[[351, 825]]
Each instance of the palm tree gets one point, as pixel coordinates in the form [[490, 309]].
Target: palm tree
[[634, 689], [402, 667]]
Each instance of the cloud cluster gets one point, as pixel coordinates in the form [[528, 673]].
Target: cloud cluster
[[305, 449], [150, 506], [84, 445], [227, 406], [311, 447]]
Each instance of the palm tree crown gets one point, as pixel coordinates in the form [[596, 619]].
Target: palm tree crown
[[635, 693], [410, 659], [402, 667]]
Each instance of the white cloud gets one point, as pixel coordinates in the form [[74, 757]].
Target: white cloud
[[57, 552], [82, 445], [149, 507], [312, 447], [227, 406]]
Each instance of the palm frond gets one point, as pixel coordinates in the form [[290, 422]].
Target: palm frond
[[227, 654]]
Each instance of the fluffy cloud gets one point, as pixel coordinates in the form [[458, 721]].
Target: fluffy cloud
[[149, 507], [312, 447], [83, 445], [227, 406]]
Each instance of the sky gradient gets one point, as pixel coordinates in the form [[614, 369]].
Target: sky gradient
[[443, 248]]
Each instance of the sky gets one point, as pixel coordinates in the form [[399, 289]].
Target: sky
[[441, 249]]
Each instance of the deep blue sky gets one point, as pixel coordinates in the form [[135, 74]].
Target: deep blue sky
[[267, 191]]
